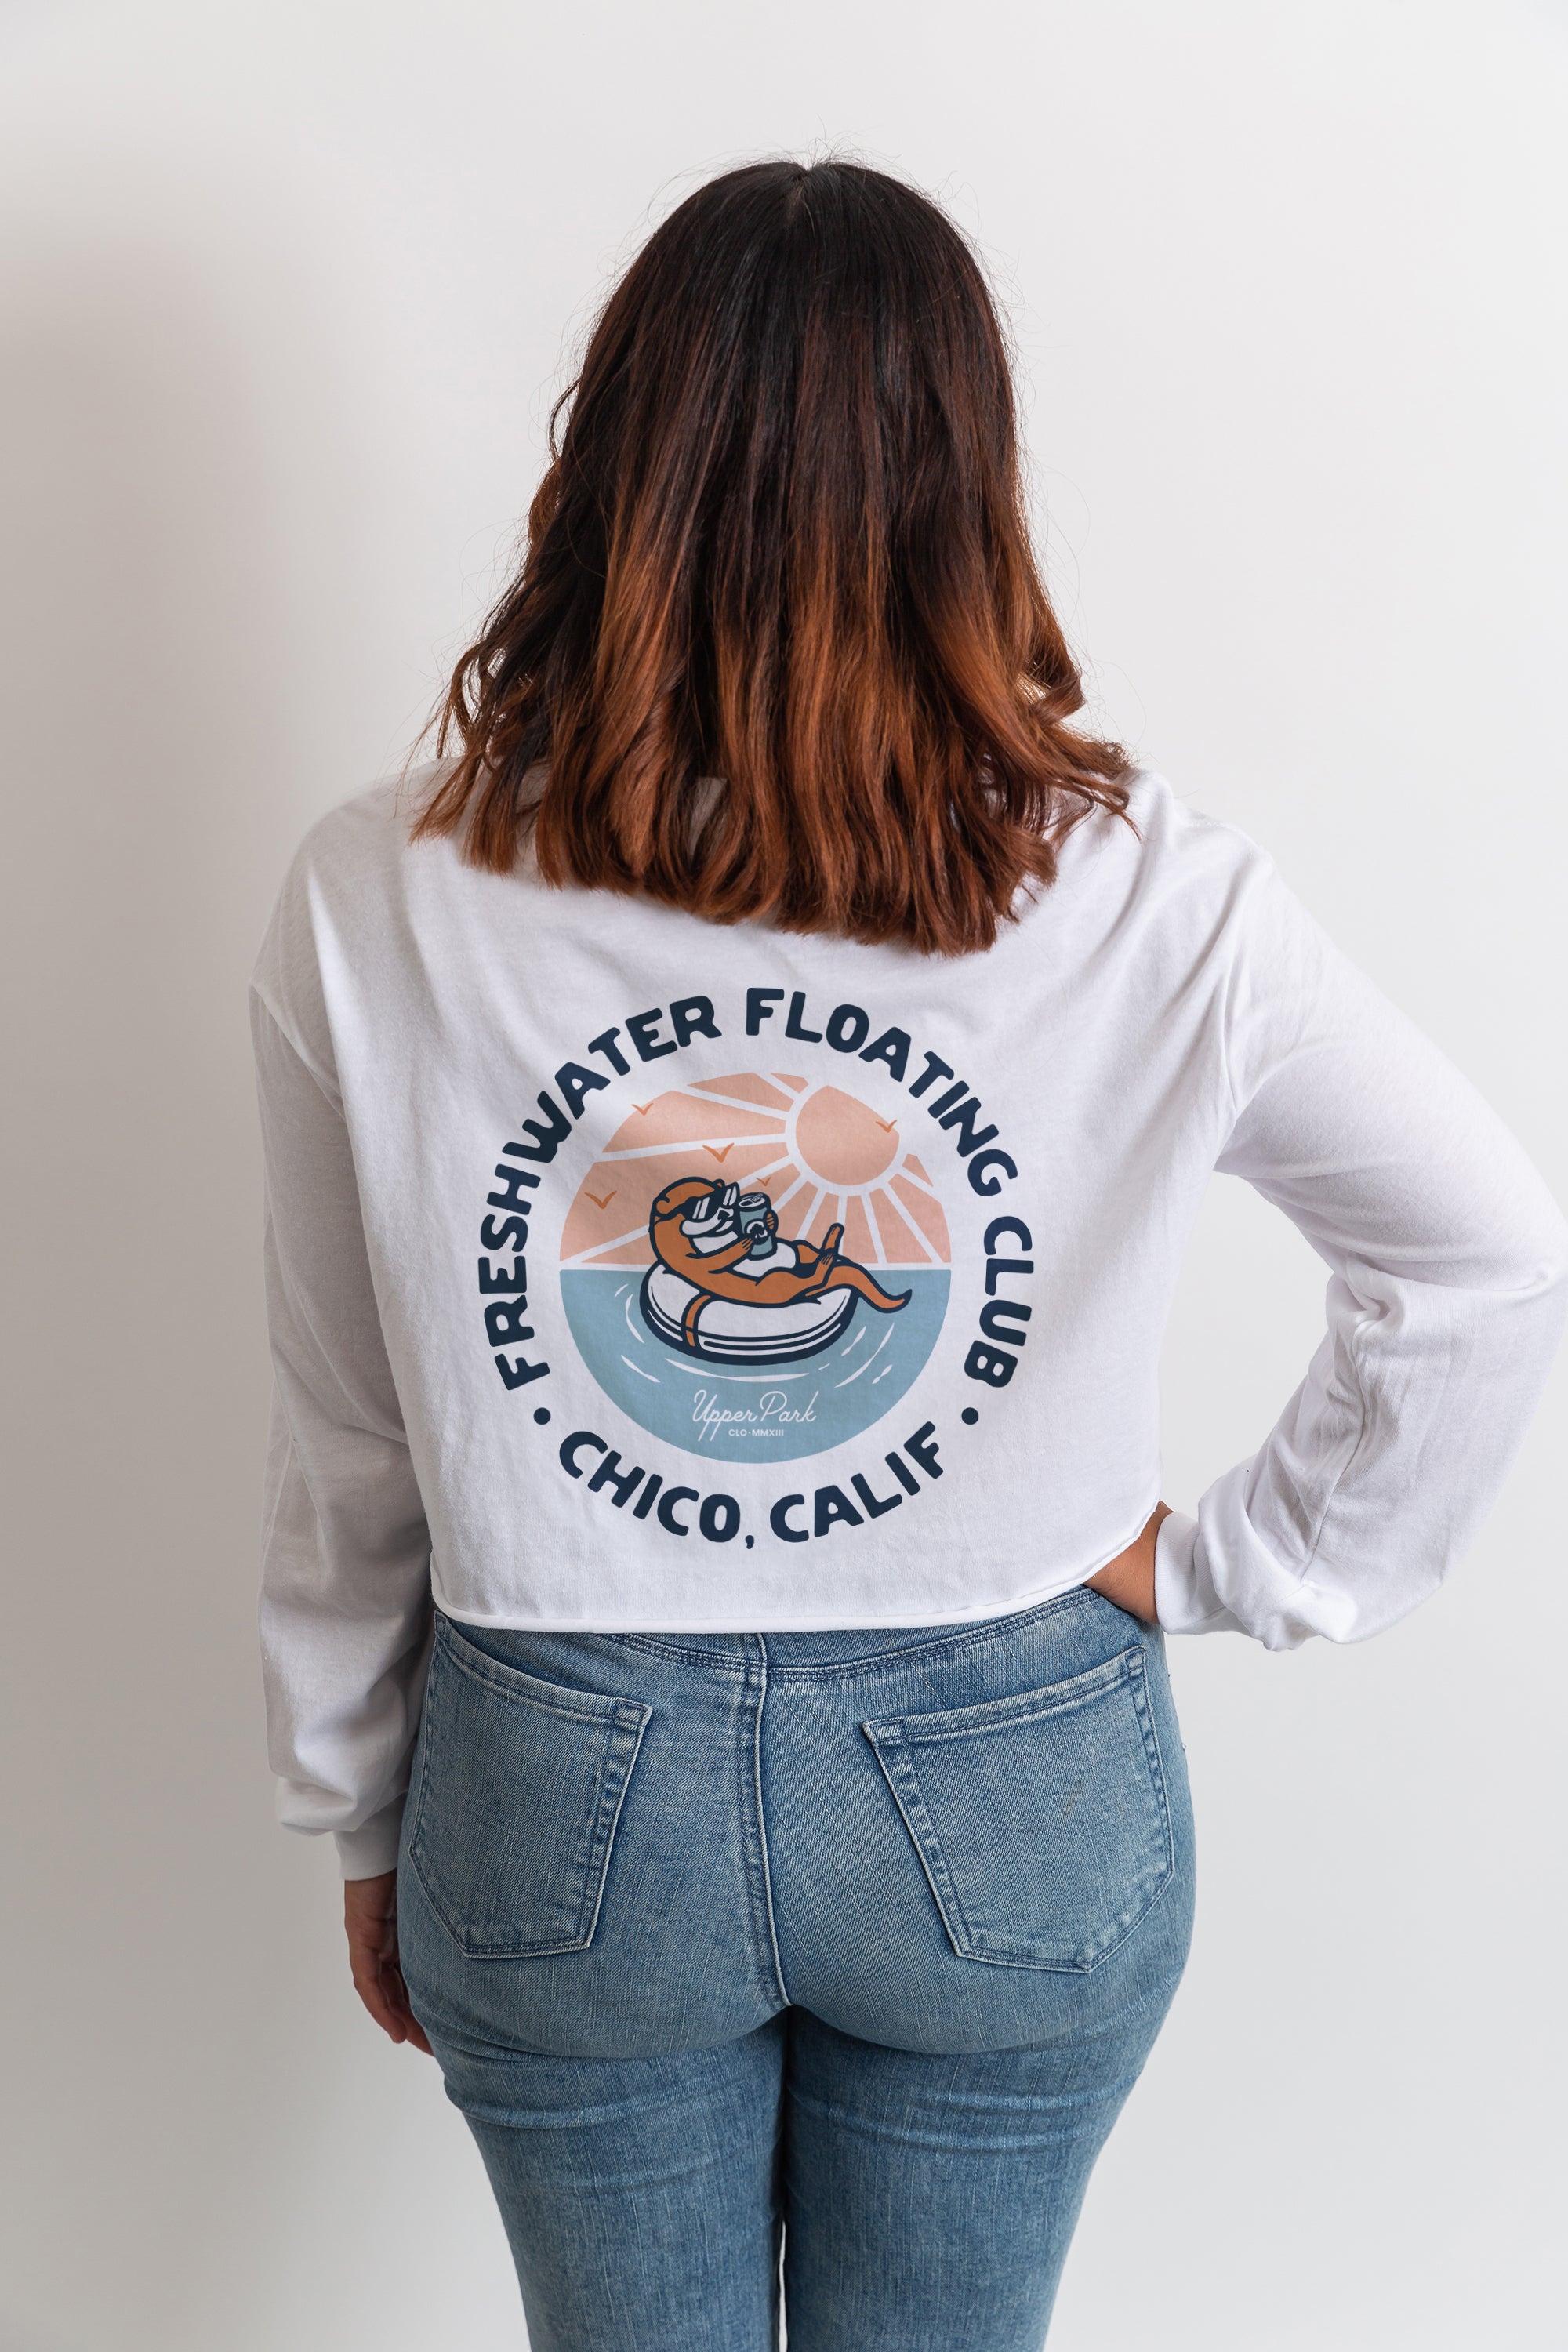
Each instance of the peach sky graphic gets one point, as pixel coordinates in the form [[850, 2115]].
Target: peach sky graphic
[[821, 1156]]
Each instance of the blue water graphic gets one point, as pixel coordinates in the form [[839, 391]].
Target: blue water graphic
[[777, 1414]]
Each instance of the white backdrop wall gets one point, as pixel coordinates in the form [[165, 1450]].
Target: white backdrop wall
[[287, 291]]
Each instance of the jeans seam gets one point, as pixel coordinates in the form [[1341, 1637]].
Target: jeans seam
[[989, 1633], [596, 1708], [724, 1662], [964, 1636], [761, 1853]]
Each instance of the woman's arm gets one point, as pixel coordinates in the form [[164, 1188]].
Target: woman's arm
[[1445, 1305], [345, 1590]]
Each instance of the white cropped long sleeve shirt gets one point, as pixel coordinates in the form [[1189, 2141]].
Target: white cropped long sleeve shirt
[[625, 1272]]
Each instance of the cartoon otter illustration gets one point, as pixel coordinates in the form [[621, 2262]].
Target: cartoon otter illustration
[[729, 1285]]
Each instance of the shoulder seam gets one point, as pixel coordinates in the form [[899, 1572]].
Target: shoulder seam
[[327, 1084]]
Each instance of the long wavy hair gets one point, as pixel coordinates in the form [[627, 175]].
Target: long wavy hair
[[778, 649]]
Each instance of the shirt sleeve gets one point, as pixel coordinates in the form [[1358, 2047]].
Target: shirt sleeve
[[345, 1610], [1445, 1304]]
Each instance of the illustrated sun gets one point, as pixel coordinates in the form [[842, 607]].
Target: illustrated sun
[[824, 1158]]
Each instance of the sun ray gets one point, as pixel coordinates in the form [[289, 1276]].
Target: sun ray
[[684, 1150], [759, 1176], [824, 1214], [897, 1232], [802, 1222], [859, 1241], [734, 1092], [618, 1241], [783, 1199], [922, 1211]]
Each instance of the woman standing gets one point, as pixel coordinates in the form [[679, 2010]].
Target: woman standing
[[730, 1145]]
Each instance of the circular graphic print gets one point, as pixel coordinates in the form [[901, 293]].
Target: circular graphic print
[[755, 1267]]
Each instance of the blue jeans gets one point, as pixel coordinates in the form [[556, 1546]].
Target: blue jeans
[[811, 1965]]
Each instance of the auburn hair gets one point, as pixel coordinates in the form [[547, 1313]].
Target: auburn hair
[[778, 649]]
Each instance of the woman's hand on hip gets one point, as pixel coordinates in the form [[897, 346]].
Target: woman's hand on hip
[[370, 1921], [1129, 1578]]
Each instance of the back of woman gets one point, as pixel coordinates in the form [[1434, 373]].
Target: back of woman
[[732, 1123]]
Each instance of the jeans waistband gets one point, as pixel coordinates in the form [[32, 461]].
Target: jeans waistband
[[840, 1646]]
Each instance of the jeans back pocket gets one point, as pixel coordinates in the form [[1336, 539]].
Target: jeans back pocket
[[519, 1791], [1041, 1822]]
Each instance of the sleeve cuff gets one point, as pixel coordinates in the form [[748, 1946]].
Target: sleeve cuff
[[371, 1850], [1185, 1598]]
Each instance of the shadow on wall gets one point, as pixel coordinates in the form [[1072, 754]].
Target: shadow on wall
[[191, 2100]]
